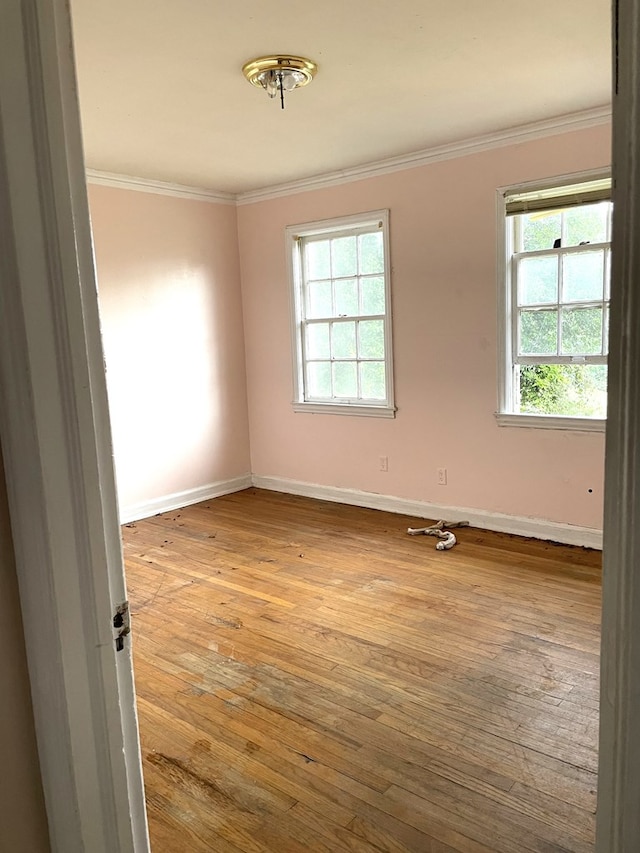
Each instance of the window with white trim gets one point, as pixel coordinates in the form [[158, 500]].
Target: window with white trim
[[556, 303], [342, 315]]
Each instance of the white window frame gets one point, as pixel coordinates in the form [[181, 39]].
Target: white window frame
[[343, 225], [506, 416]]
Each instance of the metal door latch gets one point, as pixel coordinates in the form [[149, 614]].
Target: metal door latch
[[121, 624]]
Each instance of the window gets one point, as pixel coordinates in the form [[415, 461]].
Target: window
[[342, 315], [555, 310]]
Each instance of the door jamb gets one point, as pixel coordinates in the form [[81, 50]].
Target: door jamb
[[618, 813], [56, 443]]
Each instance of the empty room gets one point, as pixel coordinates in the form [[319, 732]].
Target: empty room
[[354, 307]]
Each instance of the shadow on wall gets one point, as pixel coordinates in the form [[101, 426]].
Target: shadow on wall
[[169, 291]]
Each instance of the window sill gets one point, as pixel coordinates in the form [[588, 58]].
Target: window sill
[[345, 409], [551, 422]]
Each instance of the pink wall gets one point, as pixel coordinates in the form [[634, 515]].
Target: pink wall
[[169, 289], [443, 254]]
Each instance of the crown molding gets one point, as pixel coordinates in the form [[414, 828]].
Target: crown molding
[[511, 136], [147, 185], [475, 145]]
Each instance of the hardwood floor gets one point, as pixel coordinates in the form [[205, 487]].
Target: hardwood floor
[[310, 678]]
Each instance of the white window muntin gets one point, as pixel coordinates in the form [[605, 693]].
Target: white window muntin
[[356, 360], [509, 239], [560, 304], [298, 237]]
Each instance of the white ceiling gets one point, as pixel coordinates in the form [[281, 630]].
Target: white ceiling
[[162, 95]]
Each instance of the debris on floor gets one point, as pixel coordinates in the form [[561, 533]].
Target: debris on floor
[[447, 539]]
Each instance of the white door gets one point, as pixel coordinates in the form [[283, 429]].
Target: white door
[[54, 427]]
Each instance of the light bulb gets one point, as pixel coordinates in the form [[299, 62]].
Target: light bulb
[[270, 82], [291, 79]]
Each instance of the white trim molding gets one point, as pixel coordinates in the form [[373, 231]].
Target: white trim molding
[[461, 148], [148, 185], [568, 534], [344, 409], [511, 136], [177, 500], [505, 419]]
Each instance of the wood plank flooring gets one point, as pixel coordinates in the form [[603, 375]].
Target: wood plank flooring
[[310, 678]]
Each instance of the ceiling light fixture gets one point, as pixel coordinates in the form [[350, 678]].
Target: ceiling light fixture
[[280, 74]]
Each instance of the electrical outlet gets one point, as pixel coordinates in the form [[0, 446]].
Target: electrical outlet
[[384, 463], [442, 476]]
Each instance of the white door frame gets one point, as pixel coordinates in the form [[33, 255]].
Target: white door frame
[[618, 815], [54, 429], [56, 443]]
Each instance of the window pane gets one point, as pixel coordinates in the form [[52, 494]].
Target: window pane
[[540, 230], [579, 390], [346, 291], [606, 330], [318, 340], [582, 277], [318, 259], [371, 253], [319, 379], [607, 278], [372, 295], [372, 380], [371, 339], [538, 280], [343, 257], [586, 224], [582, 331], [345, 382], [343, 340], [319, 299], [538, 332]]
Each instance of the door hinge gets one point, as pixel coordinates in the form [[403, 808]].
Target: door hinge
[[121, 624]]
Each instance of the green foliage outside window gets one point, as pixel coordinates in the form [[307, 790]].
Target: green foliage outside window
[[564, 389]]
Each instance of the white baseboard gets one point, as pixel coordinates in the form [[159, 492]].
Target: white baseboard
[[177, 500], [568, 534], [554, 531]]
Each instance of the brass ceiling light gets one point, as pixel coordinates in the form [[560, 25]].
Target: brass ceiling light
[[280, 74]]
